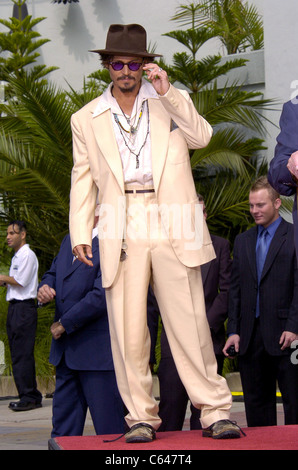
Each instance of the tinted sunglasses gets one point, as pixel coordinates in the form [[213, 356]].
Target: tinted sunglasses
[[133, 66]]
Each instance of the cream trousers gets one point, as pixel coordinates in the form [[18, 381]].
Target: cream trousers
[[179, 293]]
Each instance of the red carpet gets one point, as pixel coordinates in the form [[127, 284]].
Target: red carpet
[[262, 438]]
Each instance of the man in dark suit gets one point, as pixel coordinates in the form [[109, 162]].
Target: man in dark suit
[[283, 170], [263, 310], [216, 281], [81, 349]]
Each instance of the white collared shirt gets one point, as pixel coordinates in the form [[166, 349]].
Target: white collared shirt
[[143, 174], [94, 232], [24, 269]]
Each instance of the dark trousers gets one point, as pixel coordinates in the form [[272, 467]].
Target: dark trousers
[[174, 399], [78, 390], [260, 372], [21, 329]]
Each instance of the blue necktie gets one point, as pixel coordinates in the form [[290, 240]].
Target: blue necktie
[[261, 252]]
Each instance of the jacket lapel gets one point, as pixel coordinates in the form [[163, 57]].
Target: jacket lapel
[[159, 138], [159, 132], [251, 250], [275, 245], [103, 130], [73, 264], [204, 271]]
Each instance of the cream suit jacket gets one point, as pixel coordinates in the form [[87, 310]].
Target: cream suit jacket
[[97, 173]]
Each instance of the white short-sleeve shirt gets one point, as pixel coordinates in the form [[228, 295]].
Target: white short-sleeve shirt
[[24, 269]]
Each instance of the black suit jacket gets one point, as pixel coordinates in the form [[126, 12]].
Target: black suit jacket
[[278, 289], [216, 276]]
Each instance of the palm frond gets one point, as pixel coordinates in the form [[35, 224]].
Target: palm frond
[[39, 114], [229, 149], [226, 200], [193, 39], [195, 75], [238, 25], [233, 104]]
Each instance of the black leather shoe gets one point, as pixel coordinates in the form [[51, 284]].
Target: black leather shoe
[[223, 429], [23, 406]]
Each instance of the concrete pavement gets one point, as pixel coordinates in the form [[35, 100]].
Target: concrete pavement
[[28, 430]]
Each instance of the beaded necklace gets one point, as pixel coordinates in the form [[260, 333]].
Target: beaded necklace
[[132, 129], [121, 128]]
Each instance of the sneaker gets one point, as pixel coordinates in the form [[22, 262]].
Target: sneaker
[[223, 429], [140, 432]]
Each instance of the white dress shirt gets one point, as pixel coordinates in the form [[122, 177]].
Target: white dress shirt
[[24, 269], [143, 174]]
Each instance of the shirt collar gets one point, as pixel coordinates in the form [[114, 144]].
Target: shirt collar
[[271, 228], [17, 253], [107, 101]]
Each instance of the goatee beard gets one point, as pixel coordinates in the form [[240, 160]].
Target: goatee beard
[[127, 88]]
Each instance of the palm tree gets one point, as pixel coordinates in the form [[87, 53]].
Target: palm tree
[[35, 161], [187, 70], [233, 157], [21, 42], [238, 25]]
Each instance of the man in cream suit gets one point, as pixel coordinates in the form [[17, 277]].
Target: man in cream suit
[[131, 151]]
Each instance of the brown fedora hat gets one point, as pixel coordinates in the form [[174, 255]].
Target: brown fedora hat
[[126, 40]]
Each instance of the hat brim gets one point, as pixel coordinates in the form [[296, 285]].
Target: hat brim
[[126, 53]]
